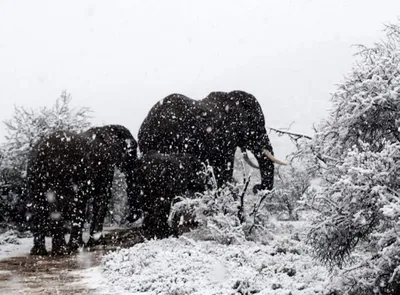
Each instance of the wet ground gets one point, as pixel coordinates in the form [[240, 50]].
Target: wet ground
[[59, 275]]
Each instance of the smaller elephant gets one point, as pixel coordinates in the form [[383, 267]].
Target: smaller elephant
[[58, 186], [66, 170], [160, 178]]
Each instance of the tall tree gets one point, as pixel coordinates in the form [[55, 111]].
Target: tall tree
[[359, 197]]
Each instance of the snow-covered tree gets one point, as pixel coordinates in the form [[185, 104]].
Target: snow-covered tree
[[366, 105], [359, 194]]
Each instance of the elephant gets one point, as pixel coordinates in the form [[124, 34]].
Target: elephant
[[66, 169], [160, 178], [117, 149], [211, 129]]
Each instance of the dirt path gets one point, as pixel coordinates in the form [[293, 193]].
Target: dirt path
[[57, 275]]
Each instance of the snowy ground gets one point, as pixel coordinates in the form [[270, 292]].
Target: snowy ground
[[11, 245], [21, 273], [187, 266]]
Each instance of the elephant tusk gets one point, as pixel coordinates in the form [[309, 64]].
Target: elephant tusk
[[248, 161], [272, 158]]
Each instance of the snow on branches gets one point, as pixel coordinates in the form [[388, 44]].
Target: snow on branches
[[359, 193], [366, 104]]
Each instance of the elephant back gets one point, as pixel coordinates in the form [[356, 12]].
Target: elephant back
[[175, 124], [58, 155]]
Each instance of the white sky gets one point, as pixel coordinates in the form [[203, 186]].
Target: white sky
[[120, 57]]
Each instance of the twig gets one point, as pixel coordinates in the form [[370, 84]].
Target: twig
[[241, 207], [257, 207], [296, 135]]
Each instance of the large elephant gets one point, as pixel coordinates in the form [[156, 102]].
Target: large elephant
[[211, 129], [65, 170], [160, 178]]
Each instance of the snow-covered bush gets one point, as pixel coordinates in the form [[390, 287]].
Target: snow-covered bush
[[216, 212], [227, 215], [359, 192], [9, 237], [366, 184], [186, 266], [290, 185], [293, 181]]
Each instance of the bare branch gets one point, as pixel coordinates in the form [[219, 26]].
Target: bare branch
[[291, 134]]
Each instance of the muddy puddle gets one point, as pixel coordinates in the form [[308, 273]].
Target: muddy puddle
[[59, 275]]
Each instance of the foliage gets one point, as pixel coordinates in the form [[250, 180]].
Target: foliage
[[359, 191], [224, 214], [290, 185], [366, 104]]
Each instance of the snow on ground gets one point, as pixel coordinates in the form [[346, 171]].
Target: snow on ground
[[14, 243], [187, 266], [11, 245]]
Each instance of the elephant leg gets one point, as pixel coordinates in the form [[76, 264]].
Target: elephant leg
[[78, 220], [134, 202], [155, 223], [100, 206], [39, 224], [57, 220], [39, 247], [59, 245]]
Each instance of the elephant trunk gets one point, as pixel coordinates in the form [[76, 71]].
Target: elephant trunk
[[266, 162]]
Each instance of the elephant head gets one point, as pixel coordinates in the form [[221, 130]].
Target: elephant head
[[116, 147], [116, 144], [241, 116]]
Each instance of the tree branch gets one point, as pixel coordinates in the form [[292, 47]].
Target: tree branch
[[291, 134]]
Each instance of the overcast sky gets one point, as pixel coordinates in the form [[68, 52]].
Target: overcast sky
[[120, 57]]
